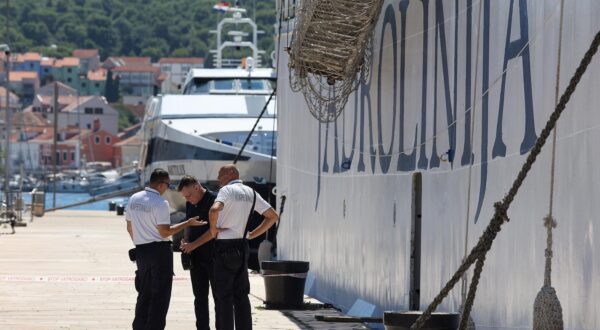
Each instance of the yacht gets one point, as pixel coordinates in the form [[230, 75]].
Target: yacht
[[205, 127]]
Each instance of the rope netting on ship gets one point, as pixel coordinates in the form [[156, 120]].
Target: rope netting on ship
[[547, 312], [331, 52]]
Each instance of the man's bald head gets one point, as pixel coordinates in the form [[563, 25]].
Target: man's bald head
[[227, 174]]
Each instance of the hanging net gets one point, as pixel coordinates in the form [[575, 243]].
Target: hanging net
[[331, 52]]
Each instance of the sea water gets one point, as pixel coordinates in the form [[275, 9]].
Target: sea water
[[63, 199]]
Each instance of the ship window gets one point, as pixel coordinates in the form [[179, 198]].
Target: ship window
[[224, 84], [198, 87], [256, 84]]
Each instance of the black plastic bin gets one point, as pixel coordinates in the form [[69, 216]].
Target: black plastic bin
[[404, 320], [284, 283], [120, 209], [112, 205]]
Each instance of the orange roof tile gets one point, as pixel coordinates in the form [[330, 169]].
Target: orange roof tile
[[20, 75], [85, 53], [137, 68], [47, 134], [67, 61], [131, 59], [181, 60], [98, 75], [48, 61], [29, 56]]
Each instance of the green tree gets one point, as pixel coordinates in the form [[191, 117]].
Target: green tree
[[181, 52], [125, 27], [109, 88], [36, 31]]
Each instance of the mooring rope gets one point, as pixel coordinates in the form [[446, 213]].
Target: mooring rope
[[479, 252], [547, 311]]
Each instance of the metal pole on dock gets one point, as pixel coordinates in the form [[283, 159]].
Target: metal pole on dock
[[8, 123], [54, 149]]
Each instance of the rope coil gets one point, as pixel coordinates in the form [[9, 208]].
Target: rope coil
[[328, 66]]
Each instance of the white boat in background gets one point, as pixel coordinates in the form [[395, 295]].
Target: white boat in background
[[199, 131]]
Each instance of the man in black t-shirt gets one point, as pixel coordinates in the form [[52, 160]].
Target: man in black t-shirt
[[199, 200]]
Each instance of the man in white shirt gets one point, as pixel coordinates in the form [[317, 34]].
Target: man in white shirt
[[149, 225], [228, 218]]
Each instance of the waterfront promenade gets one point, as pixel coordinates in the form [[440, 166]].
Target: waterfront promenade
[[70, 270]]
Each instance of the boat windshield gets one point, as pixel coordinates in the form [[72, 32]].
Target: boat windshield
[[228, 86]]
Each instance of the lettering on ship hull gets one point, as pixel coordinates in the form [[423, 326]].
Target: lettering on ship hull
[[453, 69]]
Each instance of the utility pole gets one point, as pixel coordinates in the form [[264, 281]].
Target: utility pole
[[54, 149], [7, 128], [8, 123]]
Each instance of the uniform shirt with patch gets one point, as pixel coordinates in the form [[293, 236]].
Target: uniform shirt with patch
[[237, 201], [146, 210]]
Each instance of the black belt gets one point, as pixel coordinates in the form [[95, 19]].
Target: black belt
[[159, 243]]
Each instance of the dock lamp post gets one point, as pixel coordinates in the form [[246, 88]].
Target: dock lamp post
[[4, 48]]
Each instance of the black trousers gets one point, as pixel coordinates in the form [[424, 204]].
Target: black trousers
[[153, 282], [232, 286], [202, 274]]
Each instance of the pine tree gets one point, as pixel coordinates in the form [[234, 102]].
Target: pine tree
[[108, 88]]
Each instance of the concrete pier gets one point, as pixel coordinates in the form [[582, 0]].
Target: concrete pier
[[70, 270]]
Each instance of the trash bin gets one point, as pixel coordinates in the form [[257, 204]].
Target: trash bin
[[284, 283], [404, 320], [38, 202], [120, 209], [112, 205]]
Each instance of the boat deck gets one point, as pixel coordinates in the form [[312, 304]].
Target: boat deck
[[70, 270]]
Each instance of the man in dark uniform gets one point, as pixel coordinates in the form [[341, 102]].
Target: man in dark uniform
[[228, 218], [198, 203], [149, 225]]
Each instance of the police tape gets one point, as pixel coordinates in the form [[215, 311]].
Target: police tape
[[296, 275], [72, 279]]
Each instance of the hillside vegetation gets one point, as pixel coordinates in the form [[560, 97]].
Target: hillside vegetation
[[155, 28]]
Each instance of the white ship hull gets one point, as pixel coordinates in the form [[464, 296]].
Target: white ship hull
[[179, 144], [349, 183]]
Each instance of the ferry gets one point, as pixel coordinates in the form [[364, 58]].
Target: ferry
[[388, 197]]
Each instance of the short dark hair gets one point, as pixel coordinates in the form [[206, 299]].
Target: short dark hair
[[186, 181], [159, 176]]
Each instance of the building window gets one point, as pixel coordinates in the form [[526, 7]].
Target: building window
[[89, 111], [98, 111], [97, 139], [65, 156], [97, 85], [83, 84], [69, 70], [69, 80], [89, 126], [72, 156], [108, 140], [46, 70]]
